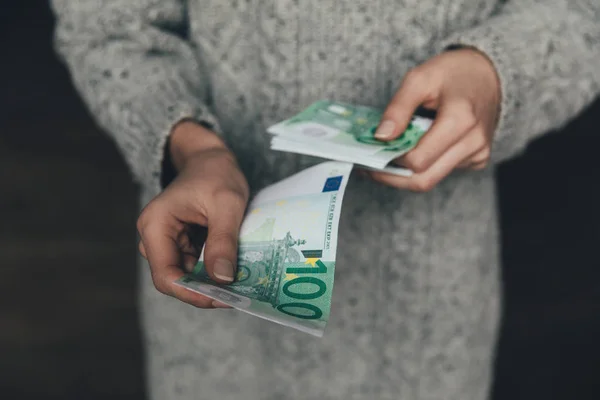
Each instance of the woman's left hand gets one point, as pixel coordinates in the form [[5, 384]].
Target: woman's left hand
[[463, 86]]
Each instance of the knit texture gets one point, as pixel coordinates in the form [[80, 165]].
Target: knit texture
[[416, 300]]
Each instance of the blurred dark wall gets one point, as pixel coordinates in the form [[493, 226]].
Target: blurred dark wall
[[68, 324]]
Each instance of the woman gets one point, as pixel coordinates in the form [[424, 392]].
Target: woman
[[190, 86]]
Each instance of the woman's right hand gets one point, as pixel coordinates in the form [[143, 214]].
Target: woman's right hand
[[209, 191]]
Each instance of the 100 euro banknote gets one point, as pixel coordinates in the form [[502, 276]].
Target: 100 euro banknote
[[344, 132], [287, 249]]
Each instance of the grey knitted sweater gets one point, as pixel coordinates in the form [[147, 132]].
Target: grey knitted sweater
[[416, 303]]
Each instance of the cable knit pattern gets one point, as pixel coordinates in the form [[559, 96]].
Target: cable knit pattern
[[416, 302]]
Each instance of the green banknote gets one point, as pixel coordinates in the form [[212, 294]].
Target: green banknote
[[344, 132], [286, 259]]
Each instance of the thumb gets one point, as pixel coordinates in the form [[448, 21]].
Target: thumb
[[221, 249], [415, 90]]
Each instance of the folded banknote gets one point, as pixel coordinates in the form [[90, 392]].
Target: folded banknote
[[287, 251]]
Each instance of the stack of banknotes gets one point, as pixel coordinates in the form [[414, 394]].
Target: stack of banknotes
[[345, 132], [288, 239]]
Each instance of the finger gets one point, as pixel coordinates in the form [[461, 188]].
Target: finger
[[142, 249], [192, 298], [465, 164], [224, 221], [478, 166], [416, 88], [425, 181], [189, 251], [480, 158], [218, 304], [455, 119], [159, 240], [473, 165], [190, 260]]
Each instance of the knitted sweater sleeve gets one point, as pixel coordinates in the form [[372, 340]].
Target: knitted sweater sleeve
[[136, 72], [547, 55]]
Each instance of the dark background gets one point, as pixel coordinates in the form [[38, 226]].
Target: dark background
[[68, 324]]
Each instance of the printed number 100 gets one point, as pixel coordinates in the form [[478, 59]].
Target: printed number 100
[[319, 286]]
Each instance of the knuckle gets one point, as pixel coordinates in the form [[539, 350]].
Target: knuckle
[[141, 221], [473, 143], [467, 150], [142, 249], [161, 286], [147, 217], [467, 121], [139, 226], [149, 227], [416, 161], [231, 198], [480, 133], [486, 153], [481, 164], [483, 158], [423, 184], [479, 140], [464, 112]]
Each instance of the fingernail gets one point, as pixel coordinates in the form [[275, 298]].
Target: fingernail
[[385, 130], [223, 269], [190, 265]]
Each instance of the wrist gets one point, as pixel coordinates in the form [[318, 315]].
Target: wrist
[[488, 64], [189, 138], [494, 81]]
